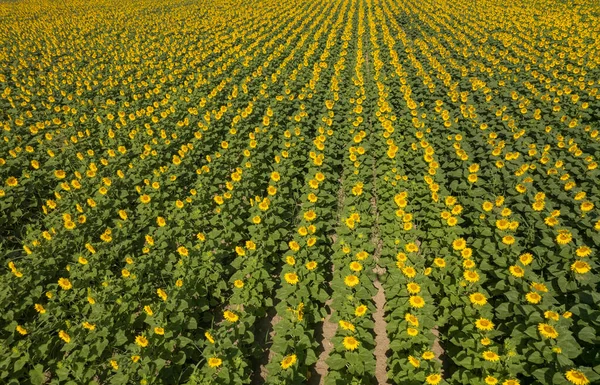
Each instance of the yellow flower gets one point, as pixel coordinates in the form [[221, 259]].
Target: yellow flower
[[433, 379], [21, 330], [64, 283], [516, 271], [64, 336], [88, 326], [413, 288], [416, 301], [351, 280], [576, 377], [114, 364], [230, 316], [160, 221], [567, 314], [160, 331], [141, 341], [350, 343], [471, 276], [583, 251], [478, 299], [162, 294], [310, 215], [459, 244], [428, 355], [238, 283], [148, 310], [183, 251], [489, 380], [409, 271], [355, 266], [547, 331], [145, 199], [209, 337], [347, 325], [214, 362], [414, 361], [311, 265], [488, 355], [533, 297], [564, 237], [439, 262], [288, 361], [291, 278], [412, 332], [484, 324], [360, 310], [580, 267]]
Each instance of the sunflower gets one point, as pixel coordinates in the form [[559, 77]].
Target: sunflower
[[490, 380], [347, 325], [580, 267], [64, 336], [411, 247], [360, 310], [65, 284], [416, 301], [412, 332], [141, 341], [209, 337], [576, 377], [583, 251], [291, 278], [428, 355], [547, 331], [288, 361], [459, 244], [162, 294], [433, 379], [478, 299], [551, 315], [311, 265], [350, 343], [351, 280], [414, 361], [408, 271], [516, 271], [413, 320], [533, 297], [230, 316], [484, 324], [487, 206], [526, 258], [488, 355], [471, 276], [160, 331], [564, 237], [413, 288], [214, 362], [310, 215], [508, 240], [439, 262], [469, 264], [355, 266]]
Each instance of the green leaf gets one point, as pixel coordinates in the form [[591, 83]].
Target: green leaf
[[36, 375]]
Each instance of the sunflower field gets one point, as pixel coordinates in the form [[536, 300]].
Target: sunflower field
[[338, 192]]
